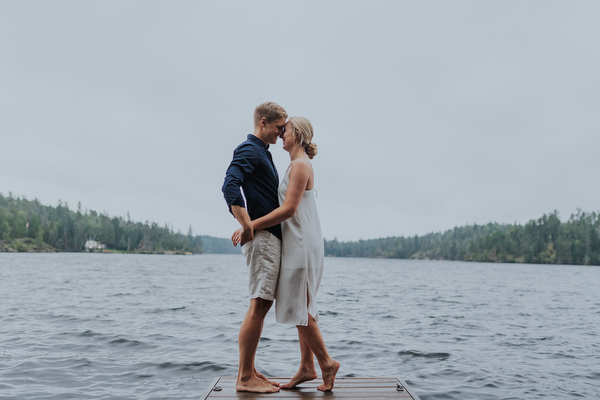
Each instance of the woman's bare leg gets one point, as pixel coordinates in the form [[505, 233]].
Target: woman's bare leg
[[306, 371], [311, 335]]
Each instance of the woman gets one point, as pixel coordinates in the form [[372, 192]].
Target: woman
[[302, 254]]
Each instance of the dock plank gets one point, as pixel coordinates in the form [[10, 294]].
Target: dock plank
[[345, 388]]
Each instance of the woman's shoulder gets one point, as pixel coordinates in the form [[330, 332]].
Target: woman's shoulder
[[301, 164], [302, 161]]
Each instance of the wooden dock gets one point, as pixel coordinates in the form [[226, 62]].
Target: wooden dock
[[345, 388]]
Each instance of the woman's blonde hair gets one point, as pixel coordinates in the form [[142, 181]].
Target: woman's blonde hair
[[303, 134]]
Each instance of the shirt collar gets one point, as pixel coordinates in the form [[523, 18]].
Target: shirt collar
[[258, 141]]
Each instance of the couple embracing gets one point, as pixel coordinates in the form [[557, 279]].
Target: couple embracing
[[281, 238]]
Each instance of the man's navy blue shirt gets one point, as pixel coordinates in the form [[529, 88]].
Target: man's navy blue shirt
[[253, 170]]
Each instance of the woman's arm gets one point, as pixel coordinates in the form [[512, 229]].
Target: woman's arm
[[300, 173]]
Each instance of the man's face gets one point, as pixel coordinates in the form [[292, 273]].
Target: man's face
[[273, 130]]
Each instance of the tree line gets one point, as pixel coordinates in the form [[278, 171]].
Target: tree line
[[29, 225], [546, 240], [215, 245]]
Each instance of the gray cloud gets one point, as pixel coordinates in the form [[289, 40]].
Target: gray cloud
[[428, 115]]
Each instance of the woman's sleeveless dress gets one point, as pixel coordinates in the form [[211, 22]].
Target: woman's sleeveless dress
[[302, 259]]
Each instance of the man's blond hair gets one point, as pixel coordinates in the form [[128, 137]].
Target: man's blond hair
[[269, 110]]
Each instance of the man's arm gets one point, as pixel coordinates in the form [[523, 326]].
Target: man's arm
[[243, 163], [243, 218]]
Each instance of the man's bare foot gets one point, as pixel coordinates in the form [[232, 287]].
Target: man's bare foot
[[303, 375], [264, 378], [255, 384], [329, 376]]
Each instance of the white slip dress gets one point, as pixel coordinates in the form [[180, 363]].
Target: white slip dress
[[302, 260]]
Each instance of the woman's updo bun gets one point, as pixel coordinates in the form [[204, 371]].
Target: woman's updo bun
[[303, 132], [311, 150]]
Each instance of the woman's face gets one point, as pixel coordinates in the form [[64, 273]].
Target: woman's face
[[288, 137]]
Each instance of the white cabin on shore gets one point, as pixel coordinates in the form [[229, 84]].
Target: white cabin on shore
[[92, 245]]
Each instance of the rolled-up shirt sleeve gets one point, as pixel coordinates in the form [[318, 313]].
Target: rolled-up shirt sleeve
[[243, 163]]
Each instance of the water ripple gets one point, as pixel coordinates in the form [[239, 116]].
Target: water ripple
[[96, 326]]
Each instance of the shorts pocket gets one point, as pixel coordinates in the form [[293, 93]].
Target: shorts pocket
[[246, 246]]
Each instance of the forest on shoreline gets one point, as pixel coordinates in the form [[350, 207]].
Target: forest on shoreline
[[546, 240], [28, 225]]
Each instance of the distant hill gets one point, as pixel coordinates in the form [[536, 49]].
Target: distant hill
[[215, 245], [28, 225], [546, 240]]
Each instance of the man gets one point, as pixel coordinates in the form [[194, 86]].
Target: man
[[253, 170]]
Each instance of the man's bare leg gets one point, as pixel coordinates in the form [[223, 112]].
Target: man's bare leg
[[264, 378], [248, 380], [306, 371], [329, 367]]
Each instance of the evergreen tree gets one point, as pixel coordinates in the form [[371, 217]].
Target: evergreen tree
[[65, 230]]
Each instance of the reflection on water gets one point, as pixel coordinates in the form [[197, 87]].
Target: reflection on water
[[103, 326]]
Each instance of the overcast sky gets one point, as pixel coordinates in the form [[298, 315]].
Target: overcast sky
[[428, 114]]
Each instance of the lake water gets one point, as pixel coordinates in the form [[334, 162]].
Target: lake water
[[104, 326]]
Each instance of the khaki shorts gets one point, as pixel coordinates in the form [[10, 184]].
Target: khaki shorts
[[263, 257]]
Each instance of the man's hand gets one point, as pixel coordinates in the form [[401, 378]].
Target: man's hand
[[246, 233], [236, 237], [242, 236]]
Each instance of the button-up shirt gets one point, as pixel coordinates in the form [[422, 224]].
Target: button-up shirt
[[253, 170]]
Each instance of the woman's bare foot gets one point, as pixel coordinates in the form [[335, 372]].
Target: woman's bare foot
[[329, 376], [264, 378], [303, 375], [255, 384]]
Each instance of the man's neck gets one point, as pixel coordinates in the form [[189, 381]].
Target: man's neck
[[259, 134]]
